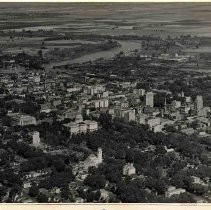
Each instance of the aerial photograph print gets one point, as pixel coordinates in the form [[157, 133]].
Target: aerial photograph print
[[106, 102]]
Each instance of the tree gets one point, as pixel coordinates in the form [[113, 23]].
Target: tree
[[42, 198], [40, 54], [105, 120], [160, 149], [95, 181], [129, 156], [198, 189], [181, 180], [182, 198], [3, 192], [6, 121], [16, 188], [92, 196], [59, 164], [131, 193], [161, 186], [33, 190], [120, 154], [30, 107], [65, 192]]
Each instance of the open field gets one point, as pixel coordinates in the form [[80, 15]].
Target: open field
[[39, 21], [100, 18]]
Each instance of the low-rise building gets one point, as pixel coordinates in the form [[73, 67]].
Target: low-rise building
[[176, 104], [129, 169], [152, 122], [188, 131], [91, 125], [74, 128], [82, 127], [173, 191], [26, 120]]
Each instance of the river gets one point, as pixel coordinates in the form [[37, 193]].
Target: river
[[126, 47]]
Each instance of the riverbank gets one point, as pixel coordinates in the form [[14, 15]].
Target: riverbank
[[125, 47]]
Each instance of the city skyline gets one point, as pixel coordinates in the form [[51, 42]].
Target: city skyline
[[105, 103]]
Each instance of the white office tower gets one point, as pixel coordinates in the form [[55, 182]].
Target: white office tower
[[100, 155], [198, 103], [149, 99], [36, 138]]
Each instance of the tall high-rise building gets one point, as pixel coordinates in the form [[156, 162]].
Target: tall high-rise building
[[100, 155], [149, 99], [198, 103], [36, 138]]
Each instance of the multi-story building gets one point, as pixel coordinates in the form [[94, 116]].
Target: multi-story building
[[130, 115], [184, 109], [36, 138], [149, 100], [92, 90], [26, 120], [139, 92], [82, 126], [78, 118], [198, 103], [101, 103], [91, 125], [127, 114]]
